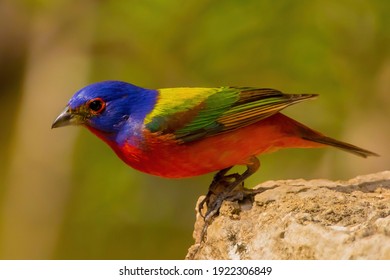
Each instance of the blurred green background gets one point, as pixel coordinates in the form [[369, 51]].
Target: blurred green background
[[65, 195]]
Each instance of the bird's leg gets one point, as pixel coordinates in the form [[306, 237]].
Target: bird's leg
[[228, 192], [226, 187], [213, 188]]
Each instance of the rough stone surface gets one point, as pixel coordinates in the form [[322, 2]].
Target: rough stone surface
[[298, 219]]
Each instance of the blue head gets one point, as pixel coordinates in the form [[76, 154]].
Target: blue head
[[109, 107]]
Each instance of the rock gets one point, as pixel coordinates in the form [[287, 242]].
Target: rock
[[298, 219]]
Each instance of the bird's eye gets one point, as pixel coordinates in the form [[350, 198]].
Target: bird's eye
[[96, 105]]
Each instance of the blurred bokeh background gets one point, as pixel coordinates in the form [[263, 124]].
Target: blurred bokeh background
[[65, 195]]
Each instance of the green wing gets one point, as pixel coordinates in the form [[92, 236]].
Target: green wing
[[193, 113]]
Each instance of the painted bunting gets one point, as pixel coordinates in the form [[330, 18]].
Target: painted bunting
[[184, 132]]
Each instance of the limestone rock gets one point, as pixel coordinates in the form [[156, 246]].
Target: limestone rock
[[298, 219]]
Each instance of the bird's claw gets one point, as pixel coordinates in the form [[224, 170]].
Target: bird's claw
[[225, 187], [221, 189], [238, 193], [221, 184]]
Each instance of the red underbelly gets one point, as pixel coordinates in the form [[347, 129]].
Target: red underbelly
[[172, 160]]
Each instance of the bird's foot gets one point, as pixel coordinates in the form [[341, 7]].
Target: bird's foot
[[226, 187], [219, 186], [223, 189], [214, 200]]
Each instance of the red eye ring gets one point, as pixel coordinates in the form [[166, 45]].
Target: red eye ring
[[96, 105]]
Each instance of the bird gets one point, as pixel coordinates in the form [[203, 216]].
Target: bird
[[189, 131]]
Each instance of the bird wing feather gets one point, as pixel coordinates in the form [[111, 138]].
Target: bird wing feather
[[190, 114]]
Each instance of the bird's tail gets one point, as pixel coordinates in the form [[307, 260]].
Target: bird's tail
[[309, 134], [341, 145]]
